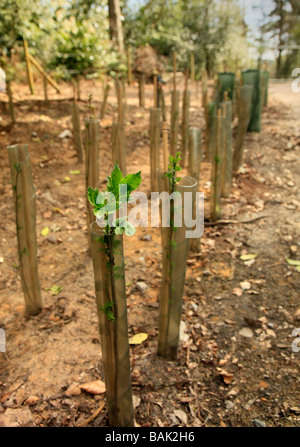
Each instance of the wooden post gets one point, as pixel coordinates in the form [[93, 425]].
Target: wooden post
[[155, 90], [29, 68], [216, 172], [227, 157], [106, 88], [185, 120], [141, 80], [165, 145], [204, 88], [77, 131], [45, 89], [91, 143], [174, 122], [25, 208], [195, 158], [129, 66], [193, 78], [11, 106], [174, 72], [41, 70], [118, 141], [154, 146]]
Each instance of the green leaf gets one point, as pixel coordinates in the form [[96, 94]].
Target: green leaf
[[129, 229], [298, 268], [54, 290], [293, 262], [92, 195], [76, 172], [114, 181], [133, 181]]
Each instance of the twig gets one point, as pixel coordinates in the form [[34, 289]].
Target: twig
[[234, 222], [94, 415]]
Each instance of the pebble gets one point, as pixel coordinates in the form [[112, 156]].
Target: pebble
[[229, 405], [146, 237], [258, 423], [141, 286], [246, 332]]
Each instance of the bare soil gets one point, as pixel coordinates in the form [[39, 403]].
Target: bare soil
[[221, 377]]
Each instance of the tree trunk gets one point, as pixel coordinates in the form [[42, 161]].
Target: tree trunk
[[115, 24]]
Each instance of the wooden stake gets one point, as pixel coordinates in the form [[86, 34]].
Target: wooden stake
[[104, 101], [41, 70], [10, 102], [29, 68], [165, 145], [45, 89], [129, 66], [174, 121], [155, 90], [193, 67], [77, 131], [118, 142], [154, 146], [185, 119], [25, 206], [141, 80], [91, 143], [174, 71]]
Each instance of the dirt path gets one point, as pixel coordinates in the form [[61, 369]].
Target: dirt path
[[236, 363]]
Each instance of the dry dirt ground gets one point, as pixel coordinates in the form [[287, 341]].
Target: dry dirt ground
[[235, 366]]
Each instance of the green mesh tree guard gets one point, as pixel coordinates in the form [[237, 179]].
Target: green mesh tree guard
[[226, 83], [253, 77]]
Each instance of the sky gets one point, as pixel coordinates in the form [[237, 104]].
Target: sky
[[254, 16]]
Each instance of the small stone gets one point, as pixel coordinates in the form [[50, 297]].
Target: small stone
[[229, 405], [65, 134], [258, 423], [293, 249], [146, 237], [206, 273], [141, 286], [246, 332]]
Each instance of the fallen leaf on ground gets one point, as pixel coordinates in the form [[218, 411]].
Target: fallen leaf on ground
[[293, 262], [45, 231], [248, 257], [73, 390], [237, 291], [227, 377], [181, 416], [245, 285], [31, 400], [138, 338], [54, 290], [95, 387]]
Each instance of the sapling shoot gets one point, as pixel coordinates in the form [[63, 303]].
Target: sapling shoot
[[108, 262]]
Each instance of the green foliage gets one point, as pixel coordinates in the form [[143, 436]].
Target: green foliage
[[107, 310], [103, 207], [173, 168]]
